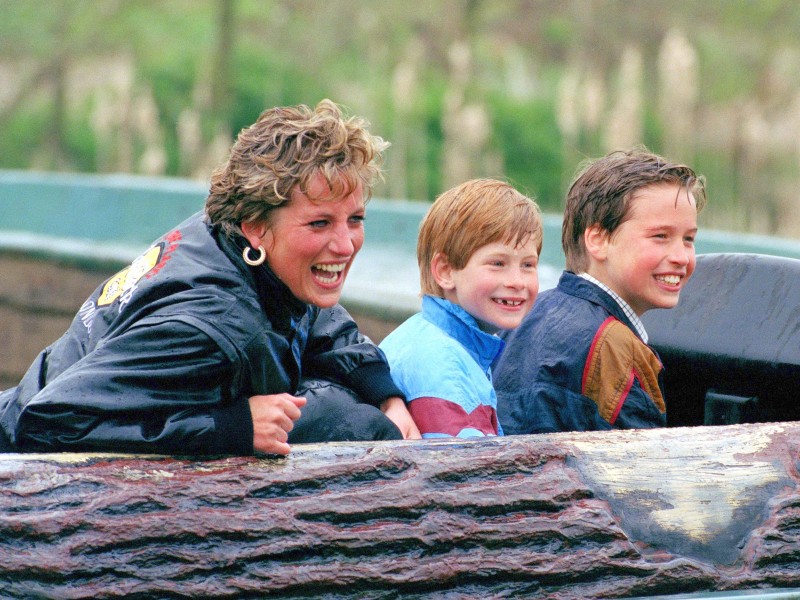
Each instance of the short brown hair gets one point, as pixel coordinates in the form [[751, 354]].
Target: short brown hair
[[469, 216], [602, 191], [285, 148]]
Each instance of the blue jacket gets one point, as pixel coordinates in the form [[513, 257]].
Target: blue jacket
[[442, 361], [163, 356], [575, 363]]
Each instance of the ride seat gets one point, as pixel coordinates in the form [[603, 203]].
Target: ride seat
[[731, 347]]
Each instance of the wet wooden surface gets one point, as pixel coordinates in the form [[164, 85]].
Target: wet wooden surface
[[560, 516]]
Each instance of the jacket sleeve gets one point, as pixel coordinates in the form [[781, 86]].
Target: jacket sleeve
[[337, 351], [639, 411], [160, 387]]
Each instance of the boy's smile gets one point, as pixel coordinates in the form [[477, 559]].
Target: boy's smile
[[651, 255], [498, 285]]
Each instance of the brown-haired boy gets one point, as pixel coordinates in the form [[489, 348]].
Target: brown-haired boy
[[478, 253], [580, 360]]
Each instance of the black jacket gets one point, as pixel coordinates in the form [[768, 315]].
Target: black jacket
[[163, 356]]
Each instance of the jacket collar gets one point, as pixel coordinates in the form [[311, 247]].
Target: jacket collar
[[462, 326], [277, 301], [577, 286]]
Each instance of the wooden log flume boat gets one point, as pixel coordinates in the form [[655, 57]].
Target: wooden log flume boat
[[561, 516]]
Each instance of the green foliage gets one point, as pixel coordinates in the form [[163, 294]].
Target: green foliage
[[433, 150], [262, 82], [530, 142], [299, 51], [172, 83], [25, 132], [653, 130], [81, 145], [559, 30]]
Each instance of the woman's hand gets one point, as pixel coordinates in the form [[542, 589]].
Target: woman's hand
[[395, 409], [273, 418]]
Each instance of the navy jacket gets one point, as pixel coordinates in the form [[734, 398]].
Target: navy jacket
[[163, 356], [575, 363]]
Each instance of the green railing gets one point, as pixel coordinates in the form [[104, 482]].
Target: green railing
[[97, 219]]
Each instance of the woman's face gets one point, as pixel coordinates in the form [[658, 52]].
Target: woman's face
[[311, 243]]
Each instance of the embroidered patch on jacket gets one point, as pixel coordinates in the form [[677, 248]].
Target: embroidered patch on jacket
[[123, 284], [616, 359], [125, 281]]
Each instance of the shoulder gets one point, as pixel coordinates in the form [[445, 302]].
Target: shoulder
[[412, 335], [551, 344], [557, 322], [420, 342], [425, 361], [561, 304], [617, 359]]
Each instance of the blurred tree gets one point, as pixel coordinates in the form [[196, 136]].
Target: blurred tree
[[518, 88], [222, 76]]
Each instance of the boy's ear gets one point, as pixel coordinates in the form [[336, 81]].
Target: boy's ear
[[595, 238], [442, 271]]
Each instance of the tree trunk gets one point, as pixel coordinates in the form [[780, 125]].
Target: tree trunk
[[560, 516], [221, 77]]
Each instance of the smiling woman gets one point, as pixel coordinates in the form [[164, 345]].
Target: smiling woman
[[310, 242], [226, 335]]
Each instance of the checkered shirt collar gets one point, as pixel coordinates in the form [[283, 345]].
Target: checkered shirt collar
[[632, 316]]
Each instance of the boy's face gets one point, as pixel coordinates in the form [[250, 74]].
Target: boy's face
[[649, 258], [498, 285]]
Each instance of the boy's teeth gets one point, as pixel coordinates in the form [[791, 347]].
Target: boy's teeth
[[670, 279], [509, 302]]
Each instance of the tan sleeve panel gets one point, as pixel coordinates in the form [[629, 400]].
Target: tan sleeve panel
[[617, 356]]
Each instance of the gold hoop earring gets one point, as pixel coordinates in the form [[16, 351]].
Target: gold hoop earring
[[254, 262]]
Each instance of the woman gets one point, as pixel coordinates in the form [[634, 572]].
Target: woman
[[202, 343]]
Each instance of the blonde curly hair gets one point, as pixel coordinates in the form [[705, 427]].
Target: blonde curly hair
[[287, 147]]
